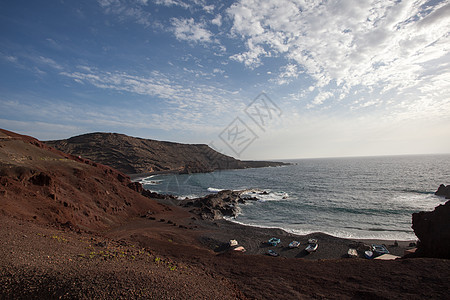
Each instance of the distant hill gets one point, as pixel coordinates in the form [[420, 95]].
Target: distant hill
[[133, 155]]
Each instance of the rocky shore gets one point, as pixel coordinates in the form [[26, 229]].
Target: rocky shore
[[433, 228]]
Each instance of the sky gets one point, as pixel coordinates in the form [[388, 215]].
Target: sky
[[272, 79]]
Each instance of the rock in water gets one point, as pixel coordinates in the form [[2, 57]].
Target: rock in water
[[443, 191], [215, 206], [433, 230]]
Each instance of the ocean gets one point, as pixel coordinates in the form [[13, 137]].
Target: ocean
[[359, 198]]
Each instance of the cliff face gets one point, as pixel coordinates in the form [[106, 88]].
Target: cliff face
[[433, 230], [47, 186], [135, 155]]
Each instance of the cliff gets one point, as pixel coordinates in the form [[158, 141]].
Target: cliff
[[433, 230], [133, 155]]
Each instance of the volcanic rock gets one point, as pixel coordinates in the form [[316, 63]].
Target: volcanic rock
[[215, 206], [433, 230], [443, 191]]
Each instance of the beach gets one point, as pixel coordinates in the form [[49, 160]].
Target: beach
[[170, 255]]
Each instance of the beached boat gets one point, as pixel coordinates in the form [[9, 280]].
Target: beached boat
[[368, 254], [239, 249], [379, 249], [272, 253], [233, 243], [294, 244], [312, 241], [311, 247], [274, 241]]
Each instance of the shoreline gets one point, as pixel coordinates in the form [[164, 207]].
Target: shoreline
[[293, 232], [254, 239], [137, 176]]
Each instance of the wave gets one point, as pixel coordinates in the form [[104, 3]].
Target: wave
[[149, 180], [362, 234], [417, 191], [264, 195], [214, 190]]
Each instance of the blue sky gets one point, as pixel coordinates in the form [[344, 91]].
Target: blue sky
[[254, 79]]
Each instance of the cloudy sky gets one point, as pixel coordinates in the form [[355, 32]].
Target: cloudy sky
[[254, 79]]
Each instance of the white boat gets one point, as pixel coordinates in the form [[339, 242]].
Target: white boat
[[272, 253], [239, 249], [368, 254], [294, 244], [233, 243], [312, 241], [311, 247]]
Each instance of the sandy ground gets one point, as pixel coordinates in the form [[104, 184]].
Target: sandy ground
[[178, 259]]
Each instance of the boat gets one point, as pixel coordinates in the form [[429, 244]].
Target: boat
[[312, 241], [239, 249], [233, 243], [379, 249], [274, 241], [294, 244], [352, 253], [272, 253], [311, 247], [368, 254]]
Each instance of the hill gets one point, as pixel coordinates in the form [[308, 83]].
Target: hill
[[41, 184], [133, 155]]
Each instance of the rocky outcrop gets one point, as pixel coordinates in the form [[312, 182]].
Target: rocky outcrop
[[443, 191], [215, 206], [132, 155], [433, 231]]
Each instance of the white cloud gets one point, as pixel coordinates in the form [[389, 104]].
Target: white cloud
[[50, 62], [217, 21], [188, 98], [188, 30], [287, 73], [320, 98], [251, 58], [208, 8], [9, 58], [385, 43], [127, 10], [172, 3]]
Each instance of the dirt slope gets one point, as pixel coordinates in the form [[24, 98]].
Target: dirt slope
[[44, 184]]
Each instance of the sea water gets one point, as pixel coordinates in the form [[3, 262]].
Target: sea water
[[364, 197]]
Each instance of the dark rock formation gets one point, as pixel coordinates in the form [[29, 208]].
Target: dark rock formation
[[215, 206], [433, 230], [132, 155], [443, 191]]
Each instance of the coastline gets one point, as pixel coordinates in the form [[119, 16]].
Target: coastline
[[254, 240], [257, 165], [159, 260]]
